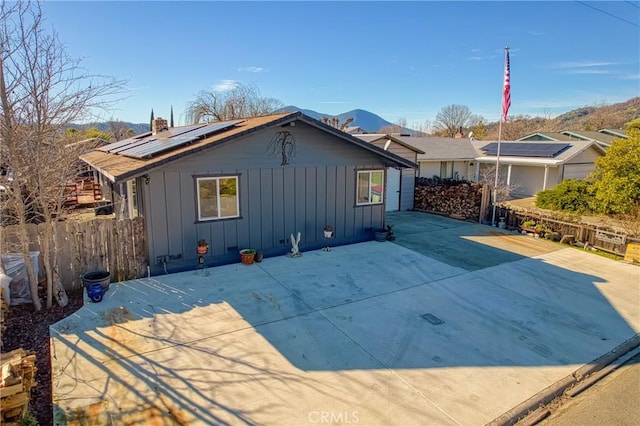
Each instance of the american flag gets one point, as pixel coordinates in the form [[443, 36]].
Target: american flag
[[506, 93]]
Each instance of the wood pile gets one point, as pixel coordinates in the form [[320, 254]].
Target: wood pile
[[461, 201], [18, 377], [4, 310]]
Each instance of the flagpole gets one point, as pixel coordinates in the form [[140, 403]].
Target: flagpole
[[503, 117]]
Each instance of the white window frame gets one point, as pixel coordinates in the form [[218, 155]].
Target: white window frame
[[369, 172], [219, 210]]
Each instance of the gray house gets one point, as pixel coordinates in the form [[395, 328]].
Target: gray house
[[400, 183], [446, 158], [246, 184]]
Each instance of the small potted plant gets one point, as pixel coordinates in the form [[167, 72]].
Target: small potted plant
[[203, 247], [328, 231], [247, 256]]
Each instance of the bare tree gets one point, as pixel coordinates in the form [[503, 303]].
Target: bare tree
[[242, 101], [504, 191], [451, 118], [118, 129], [42, 91]]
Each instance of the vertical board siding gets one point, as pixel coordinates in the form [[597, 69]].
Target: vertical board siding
[[174, 214], [266, 213], [349, 199], [299, 202], [321, 201], [254, 198], [311, 227], [188, 216], [278, 203], [407, 189], [157, 208], [330, 198], [317, 188]]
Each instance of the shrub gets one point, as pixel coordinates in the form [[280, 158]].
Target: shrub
[[569, 195]]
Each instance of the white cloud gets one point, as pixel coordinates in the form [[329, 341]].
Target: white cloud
[[584, 64], [630, 77], [334, 102], [252, 69], [586, 71], [225, 85]]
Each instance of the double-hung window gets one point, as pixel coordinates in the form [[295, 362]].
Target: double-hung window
[[217, 197], [370, 187]]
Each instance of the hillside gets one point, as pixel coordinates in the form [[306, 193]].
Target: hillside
[[105, 126], [613, 116]]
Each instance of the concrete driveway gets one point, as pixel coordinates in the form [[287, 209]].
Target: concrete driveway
[[455, 323]]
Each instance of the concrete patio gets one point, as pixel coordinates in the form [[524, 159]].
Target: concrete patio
[[455, 323]]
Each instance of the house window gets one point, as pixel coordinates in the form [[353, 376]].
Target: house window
[[370, 187], [217, 197]]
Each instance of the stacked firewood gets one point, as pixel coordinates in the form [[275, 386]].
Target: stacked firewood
[[461, 201], [4, 310], [18, 377]]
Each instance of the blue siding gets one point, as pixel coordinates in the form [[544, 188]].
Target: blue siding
[[315, 189]]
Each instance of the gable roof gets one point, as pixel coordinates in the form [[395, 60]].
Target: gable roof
[[602, 138], [119, 168], [549, 136], [618, 133], [439, 149], [372, 137], [574, 148]]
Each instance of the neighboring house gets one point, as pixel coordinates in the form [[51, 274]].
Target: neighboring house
[[445, 158], [534, 167], [246, 184], [354, 130], [400, 182], [604, 137]]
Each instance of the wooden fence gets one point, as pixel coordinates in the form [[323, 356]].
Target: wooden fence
[[112, 245], [608, 240]]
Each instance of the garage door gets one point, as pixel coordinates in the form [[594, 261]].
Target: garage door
[[393, 190], [577, 171]]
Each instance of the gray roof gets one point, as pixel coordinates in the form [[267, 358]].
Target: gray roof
[[371, 137], [436, 148], [550, 136], [594, 136]]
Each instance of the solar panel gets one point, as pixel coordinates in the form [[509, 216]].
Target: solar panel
[[527, 149], [156, 146]]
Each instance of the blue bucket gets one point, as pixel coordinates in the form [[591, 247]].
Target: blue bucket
[[95, 291]]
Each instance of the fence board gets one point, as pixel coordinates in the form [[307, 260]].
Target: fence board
[[105, 244]]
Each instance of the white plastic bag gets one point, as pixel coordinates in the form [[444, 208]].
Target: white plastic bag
[[14, 267]]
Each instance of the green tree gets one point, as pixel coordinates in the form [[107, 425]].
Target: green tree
[[616, 180], [151, 121], [171, 120]]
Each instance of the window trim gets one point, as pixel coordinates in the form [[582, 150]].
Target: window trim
[[198, 179], [369, 172]]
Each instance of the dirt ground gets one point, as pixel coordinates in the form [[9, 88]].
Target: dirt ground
[[29, 330]]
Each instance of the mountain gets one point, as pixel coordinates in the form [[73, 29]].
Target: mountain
[[368, 121]]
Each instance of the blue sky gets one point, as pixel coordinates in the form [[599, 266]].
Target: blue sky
[[396, 59]]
